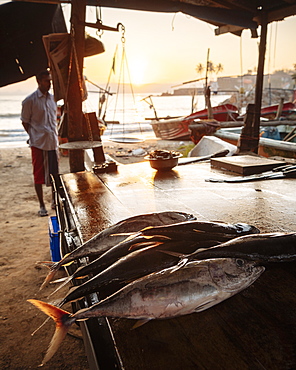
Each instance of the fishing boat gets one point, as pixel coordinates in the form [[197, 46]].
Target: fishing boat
[[178, 128], [85, 203], [267, 147], [288, 111], [221, 113]]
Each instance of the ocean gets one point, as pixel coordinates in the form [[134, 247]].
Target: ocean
[[130, 110]]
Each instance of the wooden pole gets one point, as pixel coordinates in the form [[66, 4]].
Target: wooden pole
[[206, 78], [78, 11], [259, 80], [249, 139]]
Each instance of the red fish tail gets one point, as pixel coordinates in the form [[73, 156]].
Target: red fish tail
[[63, 324]]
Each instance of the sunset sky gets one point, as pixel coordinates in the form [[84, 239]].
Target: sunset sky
[[165, 48]]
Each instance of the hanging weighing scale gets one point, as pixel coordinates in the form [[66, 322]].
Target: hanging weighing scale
[[126, 140], [84, 144], [124, 66], [88, 141]]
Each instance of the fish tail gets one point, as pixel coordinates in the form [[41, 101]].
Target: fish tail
[[47, 264], [49, 277], [65, 282], [54, 267], [61, 280], [63, 323]]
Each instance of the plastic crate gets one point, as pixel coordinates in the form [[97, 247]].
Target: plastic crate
[[54, 239]]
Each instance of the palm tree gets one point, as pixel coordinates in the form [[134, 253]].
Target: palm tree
[[210, 67], [199, 68], [219, 68]]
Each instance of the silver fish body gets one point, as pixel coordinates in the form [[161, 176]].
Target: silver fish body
[[172, 292], [201, 230], [263, 248], [114, 234], [129, 268], [208, 233], [177, 291], [190, 236]]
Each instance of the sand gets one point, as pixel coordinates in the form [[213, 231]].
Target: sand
[[24, 240]]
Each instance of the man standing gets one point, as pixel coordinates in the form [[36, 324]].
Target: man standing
[[40, 121]]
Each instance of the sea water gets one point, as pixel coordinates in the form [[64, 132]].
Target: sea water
[[11, 129], [130, 110]]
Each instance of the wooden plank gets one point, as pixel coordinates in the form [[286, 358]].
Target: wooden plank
[[245, 164], [255, 329], [95, 206], [251, 330]]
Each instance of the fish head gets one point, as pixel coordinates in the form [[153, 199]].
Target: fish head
[[233, 274]]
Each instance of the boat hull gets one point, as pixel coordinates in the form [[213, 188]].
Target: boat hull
[[288, 111], [178, 128], [267, 147], [221, 113], [171, 129]]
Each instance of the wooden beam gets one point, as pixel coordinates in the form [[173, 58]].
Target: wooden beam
[[249, 138], [46, 1], [227, 28], [259, 80], [280, 14], [74, 101]]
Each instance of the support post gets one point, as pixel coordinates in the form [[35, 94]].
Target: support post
[[76, 157], [249, 140]]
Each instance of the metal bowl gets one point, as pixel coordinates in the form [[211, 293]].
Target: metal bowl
[[164, 164]]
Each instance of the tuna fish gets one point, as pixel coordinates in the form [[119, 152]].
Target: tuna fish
[[129, 268], [189, 230], [202, 234], [115, 234], [263, 248], [172, 292]]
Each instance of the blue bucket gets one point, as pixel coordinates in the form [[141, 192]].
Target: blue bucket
[[54, 239]]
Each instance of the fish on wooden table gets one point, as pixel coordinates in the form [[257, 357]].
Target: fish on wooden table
[[115, 234], [206, 233], [263, 248], [129, 268], [172, 292], [200, 230]]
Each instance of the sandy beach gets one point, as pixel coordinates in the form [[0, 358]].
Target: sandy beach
[[24, 241]]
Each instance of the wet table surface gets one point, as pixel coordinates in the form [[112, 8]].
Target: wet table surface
[[255, 329]]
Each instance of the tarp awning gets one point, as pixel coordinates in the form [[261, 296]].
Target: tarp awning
[[22, 25]]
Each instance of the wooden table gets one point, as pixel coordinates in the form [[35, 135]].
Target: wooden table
[[256, 329]]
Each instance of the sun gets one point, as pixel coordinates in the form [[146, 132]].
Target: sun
[[138, 71]]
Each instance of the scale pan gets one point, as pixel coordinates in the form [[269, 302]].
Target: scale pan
[[81, 145], [128, 140]]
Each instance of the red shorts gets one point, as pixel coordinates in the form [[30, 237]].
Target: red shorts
[[45, 163]]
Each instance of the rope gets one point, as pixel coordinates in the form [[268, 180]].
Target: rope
[[121, 83]]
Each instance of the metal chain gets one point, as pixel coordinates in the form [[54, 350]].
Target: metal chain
[[122, 33]]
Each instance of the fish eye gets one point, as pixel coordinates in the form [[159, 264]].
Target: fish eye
[[240, 262]]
